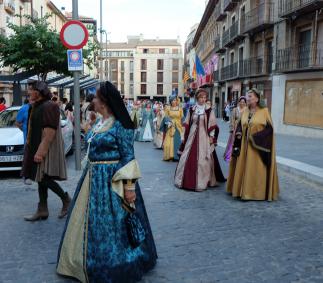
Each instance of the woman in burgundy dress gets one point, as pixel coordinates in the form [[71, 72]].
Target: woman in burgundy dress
[[198, 167]]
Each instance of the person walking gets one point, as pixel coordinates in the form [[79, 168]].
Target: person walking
[[97, 243], [158, 136], [44, 159], [145, 132], [234, 119], [173, 130], [196, 167], [255, 175], [22, 124]]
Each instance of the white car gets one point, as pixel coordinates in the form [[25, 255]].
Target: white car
[[12, 139]]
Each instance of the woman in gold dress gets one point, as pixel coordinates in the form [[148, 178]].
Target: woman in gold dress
[[255, 175], [173, 130]]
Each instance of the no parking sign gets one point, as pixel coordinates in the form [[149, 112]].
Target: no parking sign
[[74, 36], [75, 60]]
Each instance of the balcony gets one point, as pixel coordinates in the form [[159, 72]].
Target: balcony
[[289, 8], [226, 37], [258, 19], [229, 72], [218, 45], [216, 76], [220, 15], [300, 58], [232, 35], [228, 5], [9, 6], [252, 67]]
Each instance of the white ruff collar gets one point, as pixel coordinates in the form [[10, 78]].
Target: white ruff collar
[[200, 109]]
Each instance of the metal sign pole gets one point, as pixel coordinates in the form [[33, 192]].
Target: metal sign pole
[[77, 118]]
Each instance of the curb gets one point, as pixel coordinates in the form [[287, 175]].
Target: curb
[[308, 172]]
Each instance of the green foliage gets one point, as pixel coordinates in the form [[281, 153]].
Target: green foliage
[[37, 47]]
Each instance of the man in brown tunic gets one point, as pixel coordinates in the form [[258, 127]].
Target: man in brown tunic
[[44, 158]]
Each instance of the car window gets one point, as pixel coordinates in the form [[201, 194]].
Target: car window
[[8, 118]]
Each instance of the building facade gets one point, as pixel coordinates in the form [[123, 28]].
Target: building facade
[[145, 68], [273, 45]]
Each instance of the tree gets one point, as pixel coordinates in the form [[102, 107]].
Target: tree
[[36, 47]]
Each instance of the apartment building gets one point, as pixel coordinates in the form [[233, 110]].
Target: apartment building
[[145, 68], [297, 106], [277, 45]]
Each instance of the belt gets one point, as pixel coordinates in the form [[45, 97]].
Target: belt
[[104, 162]]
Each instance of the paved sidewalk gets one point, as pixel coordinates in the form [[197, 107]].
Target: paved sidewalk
[[298, 155]]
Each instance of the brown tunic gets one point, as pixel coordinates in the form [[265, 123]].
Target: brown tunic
[[44, 114]]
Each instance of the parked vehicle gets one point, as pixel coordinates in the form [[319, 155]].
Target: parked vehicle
[[12, 140]]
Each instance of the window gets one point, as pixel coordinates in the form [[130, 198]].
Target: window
[[131, 77], [160, 64], [131, 66], [160, 89], [122, 76], [143, 89], [143, 64], [160, 77], [175, 77], [122, 66], [232, 58], [161, 50], [146, 51], [131, 89], [143, 77], [175, 51], [114, 76], [175, 64], [122, 89], [113, 64], [175, 88]]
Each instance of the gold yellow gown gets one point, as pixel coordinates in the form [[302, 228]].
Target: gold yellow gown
[[251, 179], [173, 135]]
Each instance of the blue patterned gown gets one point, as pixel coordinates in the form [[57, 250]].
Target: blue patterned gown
[[95, 245]]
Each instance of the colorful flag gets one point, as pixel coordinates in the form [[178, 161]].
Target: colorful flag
[[186, 77], [194, 72], [199, 67]]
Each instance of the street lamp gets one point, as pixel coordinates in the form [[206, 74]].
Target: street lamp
[[101, 59], [106, 50]]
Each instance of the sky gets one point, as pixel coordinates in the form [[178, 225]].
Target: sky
[[165, 19]]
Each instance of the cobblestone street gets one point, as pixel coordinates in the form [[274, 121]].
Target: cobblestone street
[[201, 237]]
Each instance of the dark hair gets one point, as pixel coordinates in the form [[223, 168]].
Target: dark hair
[[111, 97], [54, 98], [2, 100], [65, 100], [242, 98], [26, 101], [42, 88], [69, 107]]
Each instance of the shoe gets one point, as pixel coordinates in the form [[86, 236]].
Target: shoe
[[41, 213], [28, 182], [66, 203]]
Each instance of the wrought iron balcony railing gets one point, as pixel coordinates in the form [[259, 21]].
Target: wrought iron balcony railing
[[289, 8], [252, 67], [259, 18], [300, 58], [229, 72], [220, 15], [218, 46]]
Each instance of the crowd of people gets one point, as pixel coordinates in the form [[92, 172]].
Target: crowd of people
[[107, 210]]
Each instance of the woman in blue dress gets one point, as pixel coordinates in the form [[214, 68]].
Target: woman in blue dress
[[146, 130], [96, 245]]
